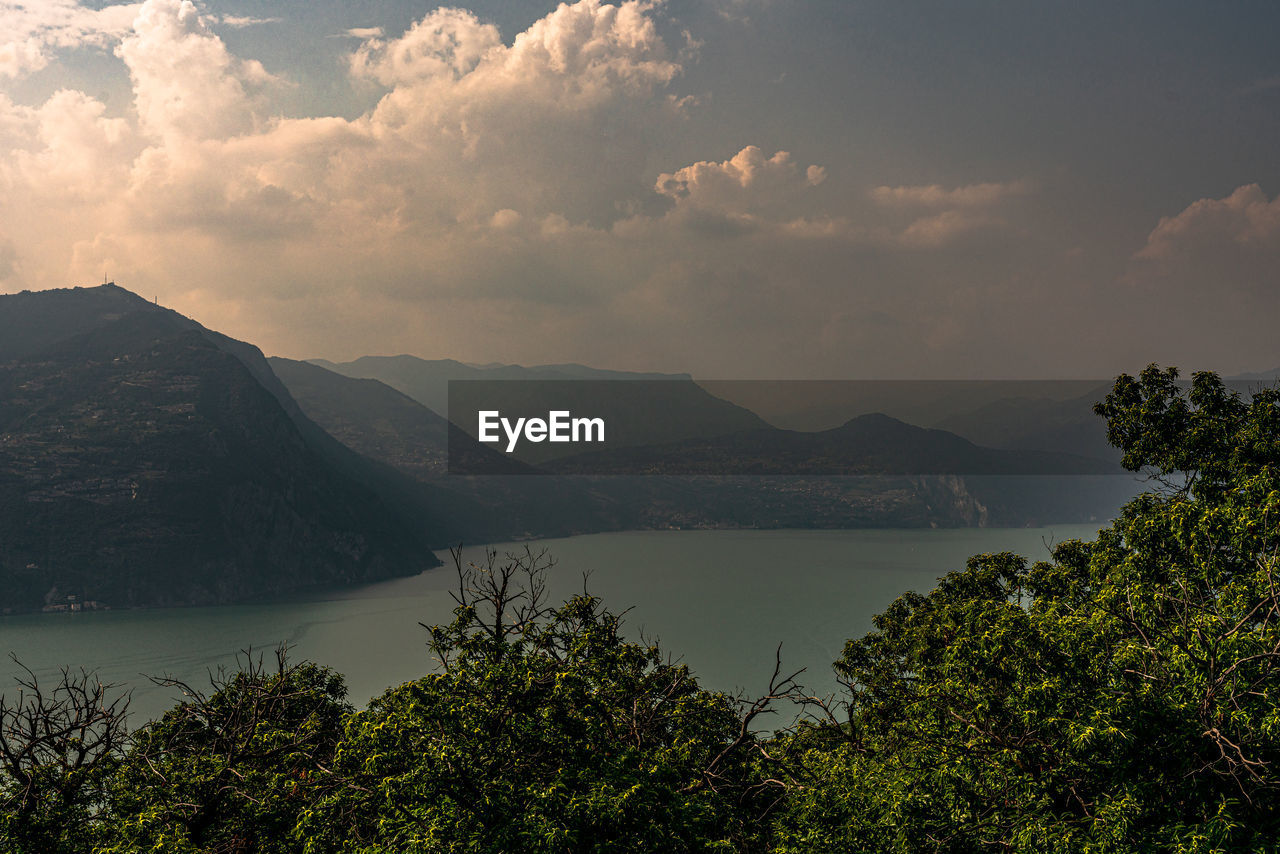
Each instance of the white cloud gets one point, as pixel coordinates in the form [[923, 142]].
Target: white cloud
[[186, 83], [577, 55], [447, 42], [745, 184], [32, 30], [239, 22], [552, 123], [81, 149], [20, 57], [470, 127], [499, 193]]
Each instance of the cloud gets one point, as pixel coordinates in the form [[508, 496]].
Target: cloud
[[1243, 223], [33, 31], [1229, 246], [447, 42], [578, 53], [241, 21], [554, 122], [738, 11], [8, 258], [19, 57], [469, 127], [500, 200], [745, 184], [1203, 284], [80, 152], [942, 229], [752, 191], [939, 216], [937, 196], [186, 83]]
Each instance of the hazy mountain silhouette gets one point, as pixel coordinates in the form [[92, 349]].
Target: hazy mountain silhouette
[[873, 444], [388, 426], [1037, 424], [1272, 374], [646, 408]]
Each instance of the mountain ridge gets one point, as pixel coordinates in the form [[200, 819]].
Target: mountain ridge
[[144, 461]]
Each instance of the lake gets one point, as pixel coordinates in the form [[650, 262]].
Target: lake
[[721, 601]]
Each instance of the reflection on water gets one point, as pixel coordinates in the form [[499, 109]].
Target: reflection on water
[[720, 600]]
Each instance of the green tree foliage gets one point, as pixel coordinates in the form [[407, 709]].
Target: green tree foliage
[[233, 770], [544, 730], [1122, 697]]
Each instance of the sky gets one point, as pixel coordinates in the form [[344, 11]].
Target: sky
[[733, 188]]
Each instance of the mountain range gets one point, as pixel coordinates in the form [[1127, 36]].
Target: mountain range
[[146, 460], [869, 445]]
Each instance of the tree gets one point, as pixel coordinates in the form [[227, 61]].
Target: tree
[[1121, 697], [57, 750], [232, 770], [545, 730]]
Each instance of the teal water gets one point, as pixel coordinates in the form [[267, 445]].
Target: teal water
[[721, 601]]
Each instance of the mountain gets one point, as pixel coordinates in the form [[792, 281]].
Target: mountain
[[503, 504], [640, 408], [1037, 424], [599, 496], [872, 471], [427, 380], [874, 444], [1272, 374], [32, 322], [146, 460], [385, 424], [379, 422]]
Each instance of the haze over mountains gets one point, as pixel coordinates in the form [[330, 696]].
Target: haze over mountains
[[1272, 374], [874, 444], [641, 408], [146, 460], [427, 380]]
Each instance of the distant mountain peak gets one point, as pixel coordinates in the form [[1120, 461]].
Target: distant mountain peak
[[871, 418], [879, 423]]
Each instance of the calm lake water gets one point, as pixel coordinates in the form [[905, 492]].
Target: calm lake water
[[720, 600]]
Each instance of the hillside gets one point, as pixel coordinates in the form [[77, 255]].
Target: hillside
[[143, 462]]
